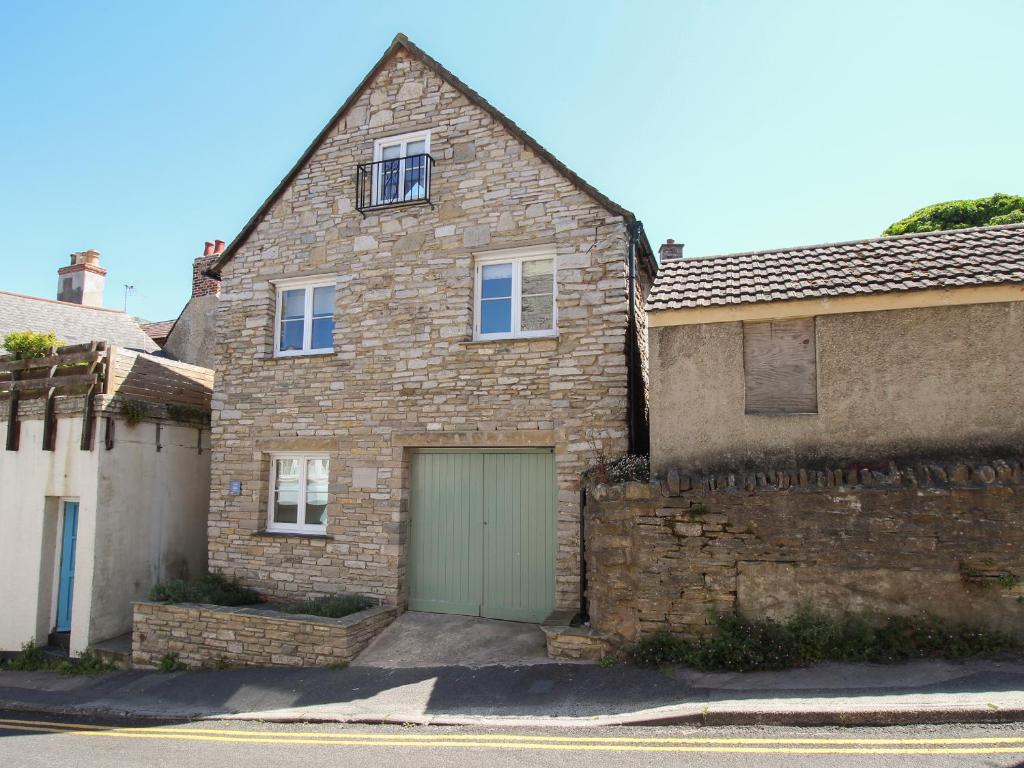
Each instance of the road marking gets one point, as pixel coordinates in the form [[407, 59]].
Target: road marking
[[935, 746], [516, 737]]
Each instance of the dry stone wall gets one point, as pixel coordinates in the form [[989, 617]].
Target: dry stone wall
[[211, 635], [404, 360], [941, 538]]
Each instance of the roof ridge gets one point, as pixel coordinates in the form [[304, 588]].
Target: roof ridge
[[64, 303], [841, 243]]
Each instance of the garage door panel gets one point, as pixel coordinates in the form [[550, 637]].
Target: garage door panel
[[445, 557], [519, 536]]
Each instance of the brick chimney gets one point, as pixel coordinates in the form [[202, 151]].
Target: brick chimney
[[670, 251], [201, 284], [82, 281]]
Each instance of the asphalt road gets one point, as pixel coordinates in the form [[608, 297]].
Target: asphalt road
[[44, 740]]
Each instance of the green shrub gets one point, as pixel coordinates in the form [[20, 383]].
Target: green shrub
[[333, 606], [28, 344], [31, 658], [170, 662], [213, 589], [133, 411], [810, 637], [185, 413], [89, 663]]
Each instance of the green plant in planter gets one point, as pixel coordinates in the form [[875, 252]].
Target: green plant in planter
[[133, 411], [26, 345]]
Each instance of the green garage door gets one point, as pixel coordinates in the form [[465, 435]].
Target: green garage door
[[483, 533]]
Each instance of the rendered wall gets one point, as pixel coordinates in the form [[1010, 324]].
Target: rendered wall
[[900, 382], [32, 483], [142, 517]]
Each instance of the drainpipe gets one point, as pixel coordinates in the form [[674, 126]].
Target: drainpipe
[[633, 386], [584, 615]]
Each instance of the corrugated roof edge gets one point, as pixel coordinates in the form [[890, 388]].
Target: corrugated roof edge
[[401, 41], [839, 243]]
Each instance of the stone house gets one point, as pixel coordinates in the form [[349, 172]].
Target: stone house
[[424, 335], [899, 346]]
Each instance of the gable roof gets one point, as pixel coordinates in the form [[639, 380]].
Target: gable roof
[[401, 42], [958, 258], [73, 323]]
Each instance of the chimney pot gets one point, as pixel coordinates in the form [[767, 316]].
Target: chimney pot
[[670, 251], [219, 247], [208, 248]]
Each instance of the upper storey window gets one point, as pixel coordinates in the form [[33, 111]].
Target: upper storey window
[[515, 294], [305, 317], [399, 173]]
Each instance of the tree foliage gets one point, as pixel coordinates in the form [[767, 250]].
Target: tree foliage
[[960, 214], [28, 344]]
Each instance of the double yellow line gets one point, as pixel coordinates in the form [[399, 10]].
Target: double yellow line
[[811, 746]]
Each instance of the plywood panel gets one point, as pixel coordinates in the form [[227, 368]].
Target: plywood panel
[[780, 367]]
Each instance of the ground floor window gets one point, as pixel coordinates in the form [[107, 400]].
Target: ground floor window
[[298, 493]]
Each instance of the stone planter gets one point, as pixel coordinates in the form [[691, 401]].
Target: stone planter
[[215, 635]]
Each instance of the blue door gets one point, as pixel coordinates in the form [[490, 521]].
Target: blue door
[[66, 585]]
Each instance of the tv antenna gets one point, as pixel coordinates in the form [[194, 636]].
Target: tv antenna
[[129, 288]]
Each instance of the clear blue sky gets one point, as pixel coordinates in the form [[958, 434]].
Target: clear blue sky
[[142, 129]]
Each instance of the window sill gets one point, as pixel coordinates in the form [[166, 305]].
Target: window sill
[[293, 534], [310, 353], [512, 339]]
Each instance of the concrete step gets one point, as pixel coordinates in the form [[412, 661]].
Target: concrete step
[[116, 650]]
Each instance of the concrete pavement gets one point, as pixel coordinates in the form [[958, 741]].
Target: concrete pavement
[[543, 694]]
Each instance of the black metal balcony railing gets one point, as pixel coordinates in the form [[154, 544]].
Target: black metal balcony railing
[[387, 183]]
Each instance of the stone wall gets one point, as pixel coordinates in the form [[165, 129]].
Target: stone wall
[[405, 363], [212, 635], [941, 538]]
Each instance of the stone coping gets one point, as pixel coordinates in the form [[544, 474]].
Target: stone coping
[[883, 475], [271, 614]]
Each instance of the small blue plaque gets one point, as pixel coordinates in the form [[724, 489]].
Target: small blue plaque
[[235, 487]]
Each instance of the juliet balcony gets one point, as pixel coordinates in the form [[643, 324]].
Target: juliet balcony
[[394, 182]]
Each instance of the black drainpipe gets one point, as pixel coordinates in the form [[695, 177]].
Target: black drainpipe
[[584, 615]]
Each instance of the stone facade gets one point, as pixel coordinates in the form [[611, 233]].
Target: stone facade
[[405, 370], [205, 635], [895, 540]]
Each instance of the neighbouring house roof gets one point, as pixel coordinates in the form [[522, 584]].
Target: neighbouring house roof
[[401, 42], [158, 330], [73, 323], [959, 258]]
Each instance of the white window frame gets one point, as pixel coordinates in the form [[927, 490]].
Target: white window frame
[[307, 283], [517, 257], [299, 526], [378, 152]]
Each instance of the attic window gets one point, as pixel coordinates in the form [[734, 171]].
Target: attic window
[[780, 367], [399, 173]]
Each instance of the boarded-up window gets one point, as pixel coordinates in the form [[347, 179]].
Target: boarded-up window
[[780, 367]]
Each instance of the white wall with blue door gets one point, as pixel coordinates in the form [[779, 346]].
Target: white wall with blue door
[[140, 516]]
